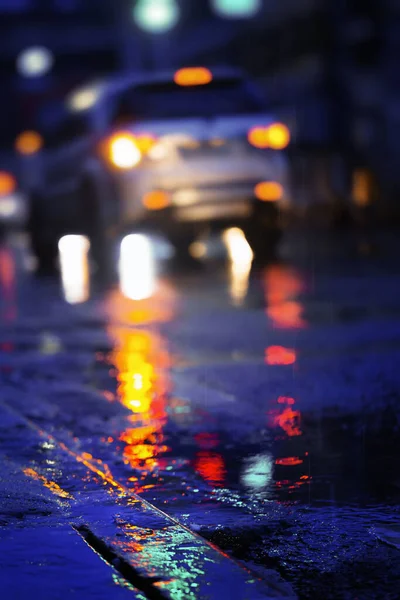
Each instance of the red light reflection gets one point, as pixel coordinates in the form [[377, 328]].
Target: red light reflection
[[8, 284], [278, 355], [282, 285], [211, 467], [289, 461], [289, 421]]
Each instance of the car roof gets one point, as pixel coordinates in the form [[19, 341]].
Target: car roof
[[103, 88]]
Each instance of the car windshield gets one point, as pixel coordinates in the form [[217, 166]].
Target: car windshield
[[170, 101]]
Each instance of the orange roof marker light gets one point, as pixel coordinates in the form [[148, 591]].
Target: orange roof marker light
[[7, 183], [123, 151], [192, 76], [28, 143]]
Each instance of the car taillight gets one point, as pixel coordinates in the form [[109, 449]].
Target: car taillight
[[268, 191], [8, 183], [275, 136], [156, 200], [278, 136], [123, 151]]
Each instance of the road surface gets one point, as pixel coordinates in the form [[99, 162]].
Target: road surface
[[257, 410]]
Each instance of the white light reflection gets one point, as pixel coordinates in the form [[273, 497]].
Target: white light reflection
[[258, 472], [74, 264], [137, 270], [241, 257]]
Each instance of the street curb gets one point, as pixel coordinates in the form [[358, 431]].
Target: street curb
[[152, 551]]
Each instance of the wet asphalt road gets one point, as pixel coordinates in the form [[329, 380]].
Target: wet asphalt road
[[261, 413]]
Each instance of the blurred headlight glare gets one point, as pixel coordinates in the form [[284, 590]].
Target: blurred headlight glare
[[29, 143], [124, 152]]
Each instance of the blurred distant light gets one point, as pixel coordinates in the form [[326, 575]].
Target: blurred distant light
[[28, 143], [84, 99], [236, 9], [268, 191], [35, 61], [361, 191], [137, 267], [192, 76], [241, 257], [198, 249], [74, 264], [156, 200], [7, 183], [124, 152], [9, 206], [156, 16]]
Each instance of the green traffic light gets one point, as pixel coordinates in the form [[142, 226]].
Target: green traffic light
[[156, 16], [236, 9]]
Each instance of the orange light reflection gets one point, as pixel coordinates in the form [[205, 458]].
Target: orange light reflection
[[289, 461], [142, 364], [211, 467], [289, 421]]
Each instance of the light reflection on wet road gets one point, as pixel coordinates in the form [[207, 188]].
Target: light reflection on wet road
[[210, 402]]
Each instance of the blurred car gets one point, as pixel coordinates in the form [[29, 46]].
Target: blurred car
[[175, 153]]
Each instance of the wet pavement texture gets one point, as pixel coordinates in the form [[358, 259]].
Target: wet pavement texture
[[257, 411]]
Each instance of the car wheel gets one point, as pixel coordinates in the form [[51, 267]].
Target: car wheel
[[181, 242], [43, 243], [95, 228], [263, 231], [263, 242]]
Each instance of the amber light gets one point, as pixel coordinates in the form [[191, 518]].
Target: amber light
[[192, 76], [275, 136], [29, 142], [268, 191], [278, 136], [258, 137], [7, 183], [145, 142], [156, 200]]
